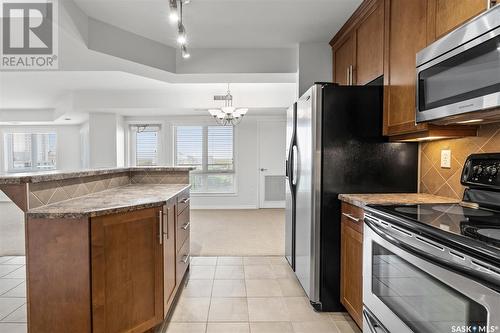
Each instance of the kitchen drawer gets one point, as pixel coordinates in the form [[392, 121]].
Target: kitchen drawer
[[182, 261], [183, 201], [353, 216], [182, 228]]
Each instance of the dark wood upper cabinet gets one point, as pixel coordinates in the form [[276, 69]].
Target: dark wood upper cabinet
[[446, 15], [370, 46], [358, 49], [405, 35], [127, 274], [344, 61], [382, 37]]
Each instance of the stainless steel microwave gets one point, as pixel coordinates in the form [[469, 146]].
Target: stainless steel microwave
[[458, 76]]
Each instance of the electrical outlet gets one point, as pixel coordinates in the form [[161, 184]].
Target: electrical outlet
[[446, 159]]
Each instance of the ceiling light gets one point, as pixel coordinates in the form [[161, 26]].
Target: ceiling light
[[174, 14], [182, 37], [227, 115], [470, 121], [185, 52]]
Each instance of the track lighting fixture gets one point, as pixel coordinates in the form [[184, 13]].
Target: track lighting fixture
[[174, 13], [185, 52], [182, 37], [176, 17]]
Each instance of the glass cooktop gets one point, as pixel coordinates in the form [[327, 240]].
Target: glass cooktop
[[479, 224]]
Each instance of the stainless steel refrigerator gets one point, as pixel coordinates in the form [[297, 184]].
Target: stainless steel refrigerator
[[335, 145]]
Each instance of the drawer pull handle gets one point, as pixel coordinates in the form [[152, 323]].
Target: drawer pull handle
[[185, 259], [186, 226], [349, 216], [185, 200]]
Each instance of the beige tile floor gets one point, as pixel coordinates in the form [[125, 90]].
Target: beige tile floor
[[221, 295], [255, 294], [253, 232], [13, 295]]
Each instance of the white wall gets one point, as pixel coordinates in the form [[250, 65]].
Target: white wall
[[106, 140], [246, 159], [314, 65], [11, 217]]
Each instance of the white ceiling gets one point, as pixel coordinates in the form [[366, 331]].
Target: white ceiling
[[228, 23], [26, 96]]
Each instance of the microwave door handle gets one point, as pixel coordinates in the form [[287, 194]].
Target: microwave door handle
[[491, 280]]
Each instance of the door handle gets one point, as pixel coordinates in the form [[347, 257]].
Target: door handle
[[295, 165], [185, 259], [349, 216], [350, 75], [347, 76], [160, 228], [263, 169]]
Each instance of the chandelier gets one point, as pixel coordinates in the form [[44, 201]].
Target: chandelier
[[227, 115]]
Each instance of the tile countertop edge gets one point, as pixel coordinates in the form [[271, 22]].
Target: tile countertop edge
[[46, 176], [45, 213], [361, 200]]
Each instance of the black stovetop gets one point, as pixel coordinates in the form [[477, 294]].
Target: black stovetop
[[479, 224]]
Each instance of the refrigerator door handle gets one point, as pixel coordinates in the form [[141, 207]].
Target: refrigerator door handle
[[295, 165]]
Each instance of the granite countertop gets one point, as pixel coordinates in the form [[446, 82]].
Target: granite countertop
[[45, 176], [362, 200], [117, 200]]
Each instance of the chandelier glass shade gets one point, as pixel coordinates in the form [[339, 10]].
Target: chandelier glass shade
[[227, 115]]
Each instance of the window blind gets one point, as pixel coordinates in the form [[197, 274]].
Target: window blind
[[189, 146], [146, 144], [210, 149], [220, 148]]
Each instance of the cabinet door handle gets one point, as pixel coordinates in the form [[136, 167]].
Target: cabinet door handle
[[185, 226], [185, 200], [161, 226], [350, 75], [347, 76], [185, 258], [349, 216], [165, 216]]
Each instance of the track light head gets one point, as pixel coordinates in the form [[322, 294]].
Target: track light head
[[184, 52], [174, 12]]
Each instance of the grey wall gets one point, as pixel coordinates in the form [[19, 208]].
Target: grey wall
[[314, 65], [281, 60], [111, 40]]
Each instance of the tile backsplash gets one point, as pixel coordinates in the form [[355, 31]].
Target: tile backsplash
[[446, 182]]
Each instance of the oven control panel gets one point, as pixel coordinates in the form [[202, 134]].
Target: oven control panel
[[482, 170]]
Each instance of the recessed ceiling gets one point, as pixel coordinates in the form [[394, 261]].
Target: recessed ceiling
[[228, 23]]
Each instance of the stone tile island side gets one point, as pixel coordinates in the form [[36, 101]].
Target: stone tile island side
[[106, 249]]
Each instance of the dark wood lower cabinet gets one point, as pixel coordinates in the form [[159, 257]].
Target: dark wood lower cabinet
[[169, 256], [351, 271], [127, 275], [116, 273]]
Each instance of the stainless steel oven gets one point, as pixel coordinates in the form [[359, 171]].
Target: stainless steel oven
[[458, 76], [414, 284]]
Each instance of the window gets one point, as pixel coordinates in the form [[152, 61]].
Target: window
[[210, 150], [30, 151], [145, 140]]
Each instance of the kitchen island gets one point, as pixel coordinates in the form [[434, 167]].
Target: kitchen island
[[106, 249]]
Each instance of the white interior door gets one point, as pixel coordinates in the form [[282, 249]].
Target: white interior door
[[272, 151]]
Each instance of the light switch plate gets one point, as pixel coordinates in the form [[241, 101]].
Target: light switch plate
[[446, 159]]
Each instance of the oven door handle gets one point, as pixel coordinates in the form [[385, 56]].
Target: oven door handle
[[479, 276], [373, 323]]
